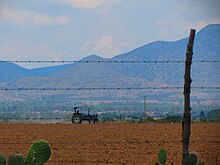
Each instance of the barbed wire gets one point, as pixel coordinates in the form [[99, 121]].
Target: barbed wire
[[29, 119], [205, 87], [106, 61], [103, 88], [126, 141]]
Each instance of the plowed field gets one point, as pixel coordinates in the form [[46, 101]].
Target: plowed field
[[111, 143]]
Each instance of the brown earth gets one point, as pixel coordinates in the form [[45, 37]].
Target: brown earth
[[111, 143]]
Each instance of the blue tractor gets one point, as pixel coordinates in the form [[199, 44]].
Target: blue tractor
[[78, 116]]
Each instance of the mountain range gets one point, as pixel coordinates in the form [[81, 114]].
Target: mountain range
[[123, 75]]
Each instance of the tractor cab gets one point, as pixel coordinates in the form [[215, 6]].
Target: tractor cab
[[77, 109]]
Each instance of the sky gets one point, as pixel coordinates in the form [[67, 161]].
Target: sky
[[74, 29]]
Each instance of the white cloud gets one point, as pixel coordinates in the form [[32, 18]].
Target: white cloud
[[182, 8], [30, 18], [103, 46], [86, 4]]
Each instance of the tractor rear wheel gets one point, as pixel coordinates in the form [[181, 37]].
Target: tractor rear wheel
[[76, 119]]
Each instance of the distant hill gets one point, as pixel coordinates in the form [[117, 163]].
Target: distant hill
[[46, 71], [214, 114], [206, 47], [9, 71], [83, 75]]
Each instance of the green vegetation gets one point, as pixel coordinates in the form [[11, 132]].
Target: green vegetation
[[38, 154], [193, 158], [214, 115], [171, 119], [168, 119], [2, 159], [16, 160], [146, 120], [162, 156], [130, 112], [201, 163]]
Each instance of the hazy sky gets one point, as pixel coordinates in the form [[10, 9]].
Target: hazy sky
[[73, 29]]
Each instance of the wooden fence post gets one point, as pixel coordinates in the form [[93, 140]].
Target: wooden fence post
[[186, 121]]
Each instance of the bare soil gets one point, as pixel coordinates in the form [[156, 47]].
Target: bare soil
[[111, 143]]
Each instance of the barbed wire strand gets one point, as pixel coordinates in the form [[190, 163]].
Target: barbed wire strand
[[103, 88], [106, 61], [29, 119], [116, 142]]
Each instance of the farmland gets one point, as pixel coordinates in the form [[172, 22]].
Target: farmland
[[111, 143]]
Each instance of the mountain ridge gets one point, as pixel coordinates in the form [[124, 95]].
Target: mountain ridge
[[118, 75]]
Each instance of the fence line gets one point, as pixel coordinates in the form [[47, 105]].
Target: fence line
[[102, 88], [106, 61], [133, 141], [30, 118]]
